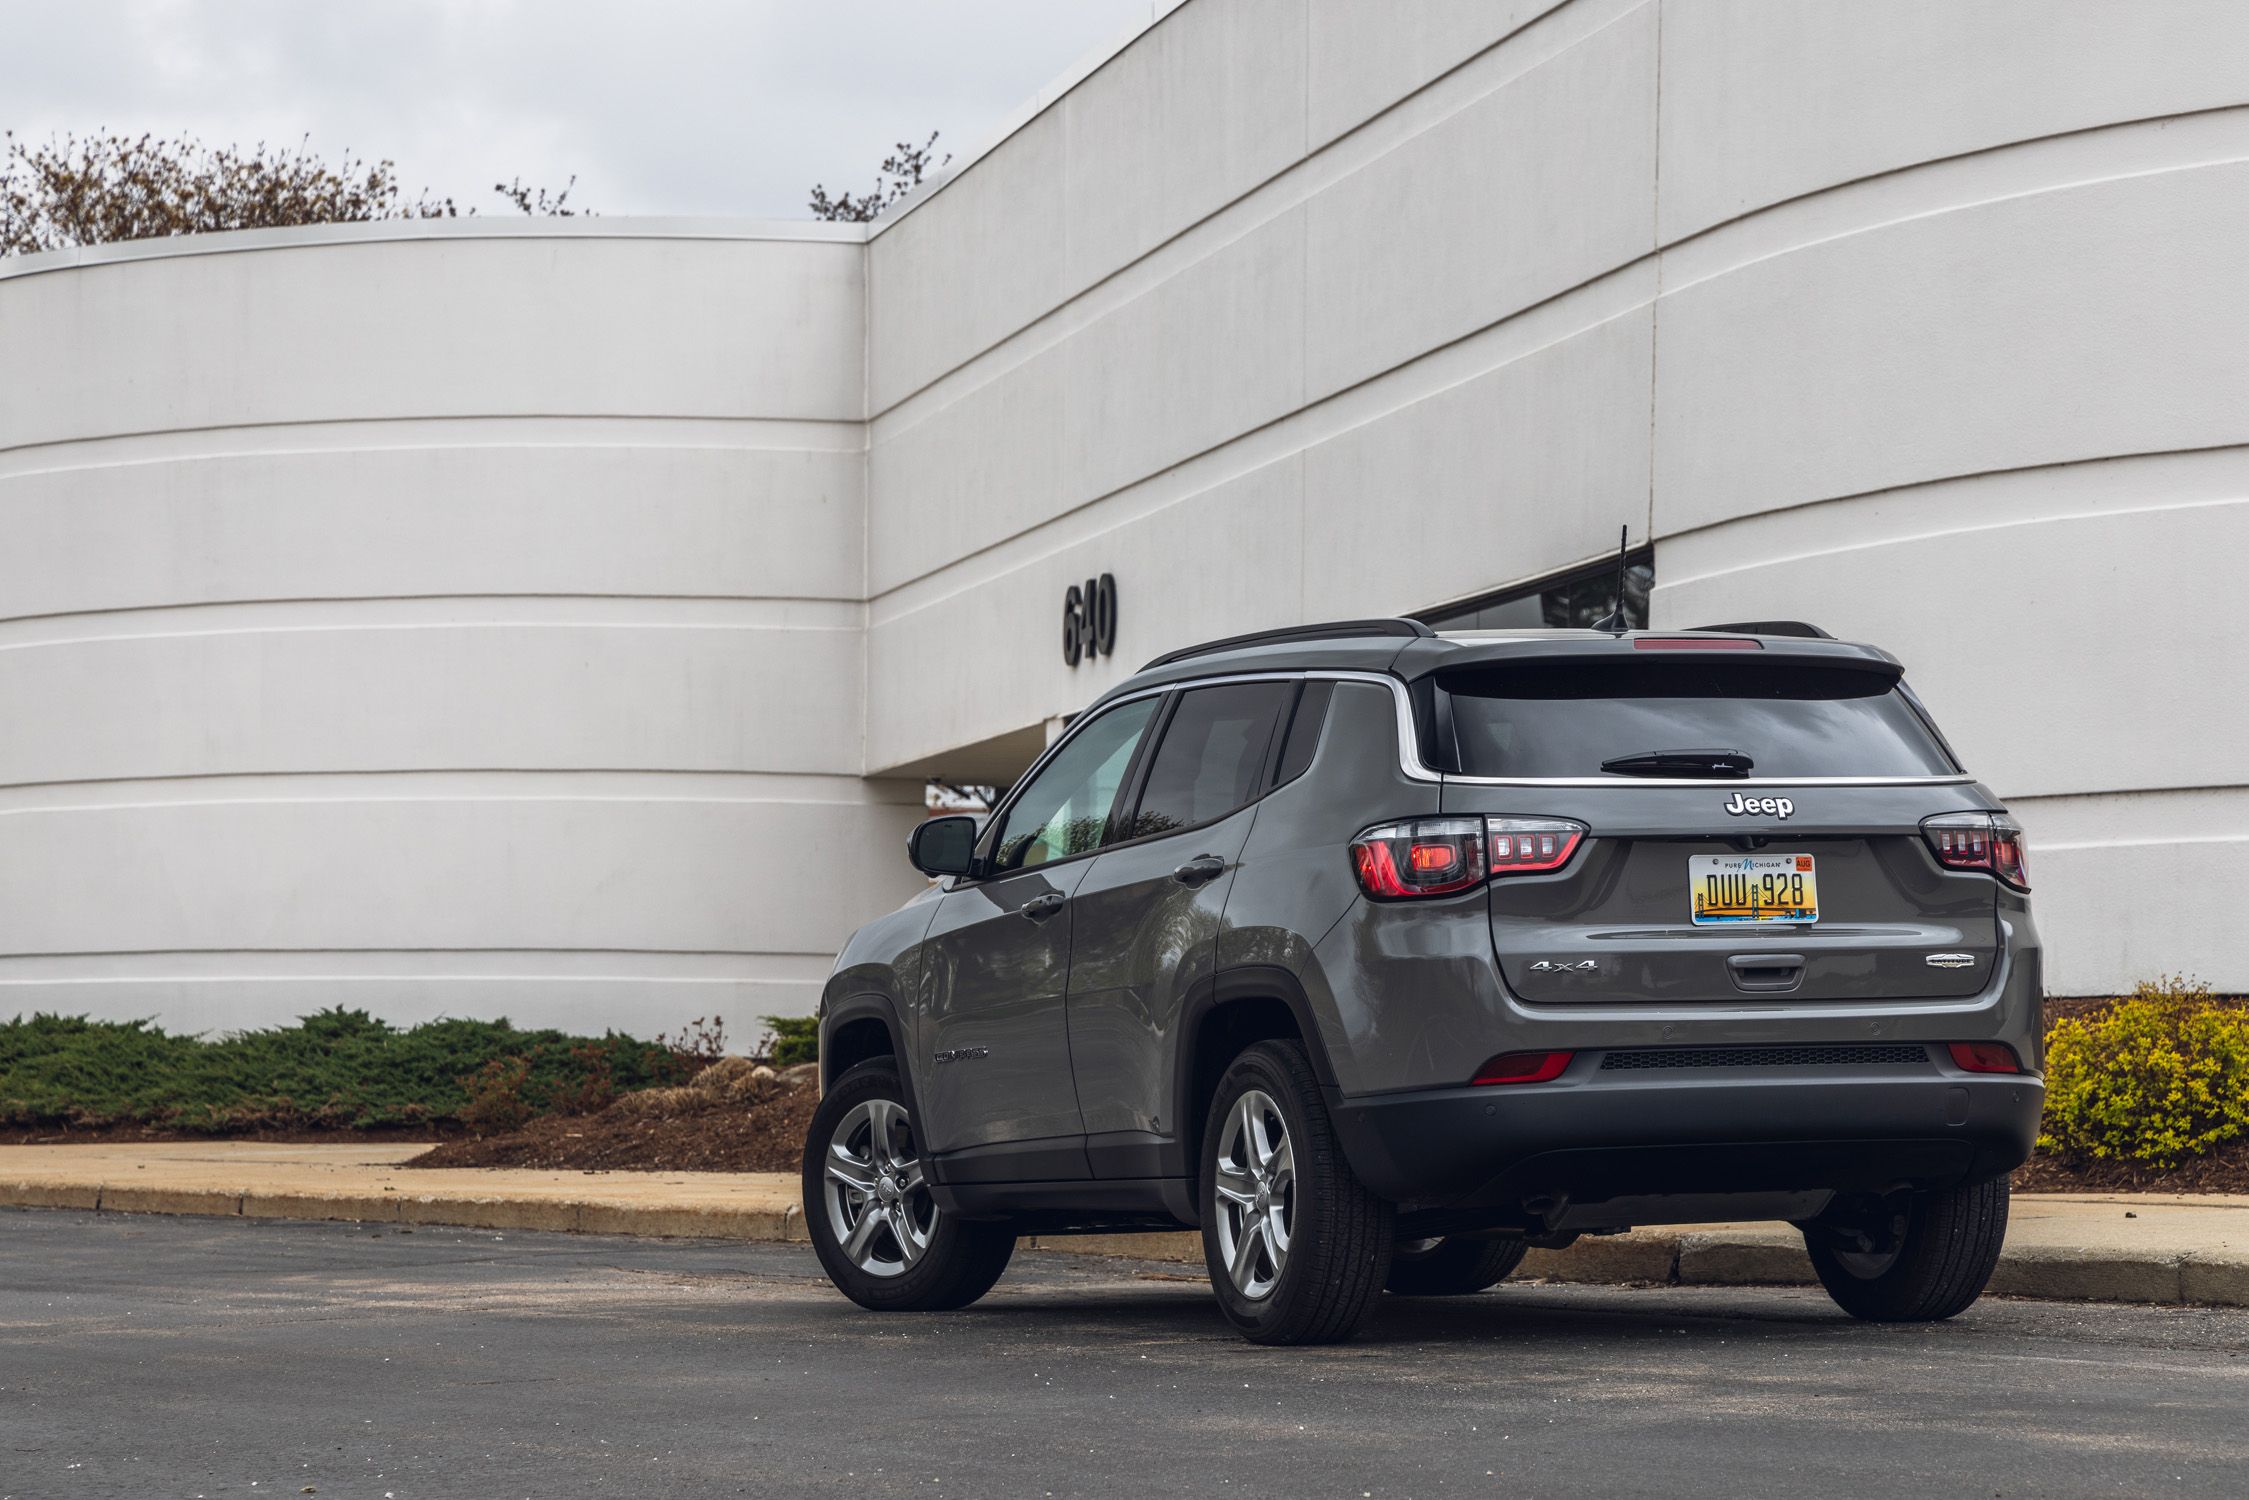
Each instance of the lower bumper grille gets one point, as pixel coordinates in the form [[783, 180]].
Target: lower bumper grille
[[1843, 1056]]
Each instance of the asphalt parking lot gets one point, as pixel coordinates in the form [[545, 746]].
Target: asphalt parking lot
[[144, 1356]]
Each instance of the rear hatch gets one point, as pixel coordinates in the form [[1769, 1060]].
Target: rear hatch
[[1753, 828]]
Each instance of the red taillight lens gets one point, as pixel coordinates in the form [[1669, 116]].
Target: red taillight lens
[[1526, 846], [1991, 842], [1427, 857], [1436, 856], [1985, 1057], [1523, 1067]]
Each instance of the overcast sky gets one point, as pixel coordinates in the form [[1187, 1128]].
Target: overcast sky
[[658, 106]]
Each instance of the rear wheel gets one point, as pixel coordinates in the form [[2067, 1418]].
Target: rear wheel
[[1297, 1248], [1913, 1257], [879, 1234], [1451, 1266]]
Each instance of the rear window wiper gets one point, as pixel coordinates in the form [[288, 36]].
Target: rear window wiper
[[1681, 763]]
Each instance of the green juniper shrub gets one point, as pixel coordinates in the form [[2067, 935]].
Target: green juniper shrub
[[339, 1068], [792, 1039]]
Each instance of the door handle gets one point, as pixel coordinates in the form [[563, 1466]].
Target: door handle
[[1775, 972], [1203, 867], [1039, 908]]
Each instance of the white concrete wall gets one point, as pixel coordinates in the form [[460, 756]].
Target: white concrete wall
[[443, 620], [1920, 319], [494, 616]]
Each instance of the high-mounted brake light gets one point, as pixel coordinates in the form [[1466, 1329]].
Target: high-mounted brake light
[[1694, 643], [1523, 1067], [1990, 842], [1437, 856], [1985, 1057]]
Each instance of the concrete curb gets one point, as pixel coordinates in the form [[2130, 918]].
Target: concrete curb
[[591, 1215], [2080, 1269]]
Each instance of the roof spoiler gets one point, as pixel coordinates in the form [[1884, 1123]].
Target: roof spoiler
[[1764, 627], [1335, 630]]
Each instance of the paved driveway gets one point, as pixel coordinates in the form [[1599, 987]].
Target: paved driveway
[[147, 1356]]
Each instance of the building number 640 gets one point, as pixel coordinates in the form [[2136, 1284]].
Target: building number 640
[[1089, 619]]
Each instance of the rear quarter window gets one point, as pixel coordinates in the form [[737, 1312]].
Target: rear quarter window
[[1566, 717]]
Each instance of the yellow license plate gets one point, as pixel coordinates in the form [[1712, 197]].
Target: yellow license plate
[[1728, 888]]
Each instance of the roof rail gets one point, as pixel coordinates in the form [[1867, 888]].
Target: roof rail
[[1335, 630], [1765, 627]]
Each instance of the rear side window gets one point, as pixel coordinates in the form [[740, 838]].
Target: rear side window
[[1304, 731], [1212, 757], [1565, 718]]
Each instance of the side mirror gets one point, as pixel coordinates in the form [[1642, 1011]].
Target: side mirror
[[943, 846]]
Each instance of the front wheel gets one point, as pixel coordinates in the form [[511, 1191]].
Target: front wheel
[[1452, 1266], [1914, 1257], [1297, 1248], [879, 1234]]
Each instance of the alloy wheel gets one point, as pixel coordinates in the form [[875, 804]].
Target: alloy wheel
[[878, 1201], [1255, 1186]]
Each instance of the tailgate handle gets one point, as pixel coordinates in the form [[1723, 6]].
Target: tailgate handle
[[1767, 972]]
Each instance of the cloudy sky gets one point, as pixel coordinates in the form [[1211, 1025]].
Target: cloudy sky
[[657, 106]]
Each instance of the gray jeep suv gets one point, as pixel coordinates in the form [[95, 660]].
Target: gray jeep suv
[[1382, 955]]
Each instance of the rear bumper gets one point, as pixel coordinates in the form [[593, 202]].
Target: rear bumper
[[1589, 1136]]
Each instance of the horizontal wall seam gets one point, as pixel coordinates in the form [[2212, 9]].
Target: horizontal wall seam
[[113, 611], [2155, 504], [583, 427], [2023, 147], [846, 617], [462, 231]]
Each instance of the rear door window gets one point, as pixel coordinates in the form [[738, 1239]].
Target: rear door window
[[1212, 757], [1565, 718]]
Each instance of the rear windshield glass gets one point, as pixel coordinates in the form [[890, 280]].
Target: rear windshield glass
[[1565, 718]]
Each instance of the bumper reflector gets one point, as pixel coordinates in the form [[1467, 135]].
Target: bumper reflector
[[1523, 1067]]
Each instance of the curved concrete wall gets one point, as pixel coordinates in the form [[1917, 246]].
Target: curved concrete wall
[[504, 616], [1918, 319], [458, 619]]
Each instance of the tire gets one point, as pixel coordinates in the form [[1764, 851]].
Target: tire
[[1927, 1256], [1297, 1248], [1452, 1266], [913, 1257]]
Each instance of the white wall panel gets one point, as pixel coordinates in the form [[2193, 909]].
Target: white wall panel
[[1514, 473], [506, 508], [1365, 58], [2073, 324], [619, 870], [1767, 99], [1492, 209], [971, 266], [345, 693], [1200, 110], [444, 326], [447, 622]]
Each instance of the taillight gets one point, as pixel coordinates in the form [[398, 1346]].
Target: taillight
[[1437, 856], [1530, 846], [1523, 1067], [1985, 1057], [1990, 842], [1426, 857]]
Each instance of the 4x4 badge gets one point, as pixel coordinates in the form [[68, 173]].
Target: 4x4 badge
[[1771, 807], [1582, 966]]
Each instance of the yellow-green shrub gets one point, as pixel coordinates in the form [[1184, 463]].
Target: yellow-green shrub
[[2158, 1077]]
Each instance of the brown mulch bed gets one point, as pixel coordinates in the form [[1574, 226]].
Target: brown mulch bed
[[2225, 1170], [735, 1117]]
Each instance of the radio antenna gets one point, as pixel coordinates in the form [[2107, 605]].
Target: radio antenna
[[1615, 623]]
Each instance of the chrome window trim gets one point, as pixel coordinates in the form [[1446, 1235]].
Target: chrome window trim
[[1413, 768], [1410, 762]]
